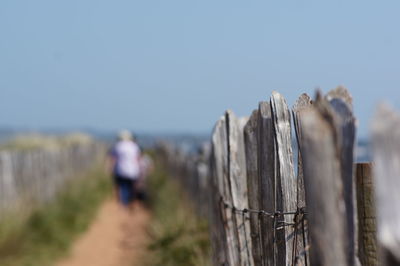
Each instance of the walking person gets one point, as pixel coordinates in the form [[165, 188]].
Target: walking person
[[124, 163]]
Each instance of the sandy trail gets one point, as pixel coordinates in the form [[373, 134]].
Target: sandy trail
[[115, 238]]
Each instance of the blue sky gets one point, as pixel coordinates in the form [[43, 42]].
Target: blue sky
[[158, 66]]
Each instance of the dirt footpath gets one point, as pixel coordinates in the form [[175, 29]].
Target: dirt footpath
[[115, 238]]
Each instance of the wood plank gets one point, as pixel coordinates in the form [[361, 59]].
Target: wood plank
[[253, 184], [341, 103], [366, 215], [302, 103], [266, 172], [386, 170], [286, 194], [238, 184], [220, 168], [322, 176]]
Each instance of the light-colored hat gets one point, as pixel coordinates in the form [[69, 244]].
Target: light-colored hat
[[125, 135]]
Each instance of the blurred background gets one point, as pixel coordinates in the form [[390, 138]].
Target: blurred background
[[162, 67], [73, 73]]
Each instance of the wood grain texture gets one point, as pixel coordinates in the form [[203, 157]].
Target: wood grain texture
[[220, 152], [253, 184], [302, 103], [386, 170], [366, 215], [266, 172], [286, 189], [217, 230], [238, 184], [324, 191]]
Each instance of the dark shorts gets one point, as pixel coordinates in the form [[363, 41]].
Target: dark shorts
[[126, 189]]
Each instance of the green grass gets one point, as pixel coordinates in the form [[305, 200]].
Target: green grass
[[46, 234], [179, 235]]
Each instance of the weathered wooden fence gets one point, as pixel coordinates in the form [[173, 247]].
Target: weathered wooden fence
[[31, 177], [264, 210]]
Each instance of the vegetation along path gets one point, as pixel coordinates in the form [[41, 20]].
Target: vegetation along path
[[116, 237]]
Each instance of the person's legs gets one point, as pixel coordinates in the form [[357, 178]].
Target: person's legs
[[126, 191], [116, 188]]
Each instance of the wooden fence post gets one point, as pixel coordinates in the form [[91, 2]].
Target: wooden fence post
[[286, 194], [253, 184], [386, 169], [323, 184], [302, 103], [238, 184], [252, 168], [366, 215], [225, 245], [266, 172], [341, 102]]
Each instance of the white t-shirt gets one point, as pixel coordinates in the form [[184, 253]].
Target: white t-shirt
[[127, 156]]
